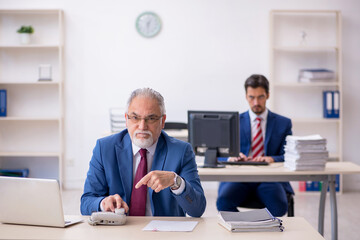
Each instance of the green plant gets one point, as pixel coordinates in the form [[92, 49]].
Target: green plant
[[26, 29]]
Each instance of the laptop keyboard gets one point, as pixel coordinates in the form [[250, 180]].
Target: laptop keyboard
[[244, 163]]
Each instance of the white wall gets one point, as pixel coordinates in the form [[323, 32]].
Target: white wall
[[200, 59]]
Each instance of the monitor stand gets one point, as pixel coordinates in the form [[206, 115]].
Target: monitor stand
[[211, 159]]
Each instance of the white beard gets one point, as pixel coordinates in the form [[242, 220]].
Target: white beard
[[143, 143]]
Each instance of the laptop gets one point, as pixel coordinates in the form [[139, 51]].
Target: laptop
[[32, 201]]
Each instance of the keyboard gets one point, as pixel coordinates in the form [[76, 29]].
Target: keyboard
[[244, 163]]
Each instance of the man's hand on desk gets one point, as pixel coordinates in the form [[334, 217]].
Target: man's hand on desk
[[263, 159], [114, 201], [243, 157]]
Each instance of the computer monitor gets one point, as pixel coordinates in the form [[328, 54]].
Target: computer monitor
[[214, 134]]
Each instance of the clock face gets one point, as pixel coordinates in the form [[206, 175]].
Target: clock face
[[148, 24]]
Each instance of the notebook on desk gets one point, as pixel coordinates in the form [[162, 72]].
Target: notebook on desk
[[32, 201], [244, 163]]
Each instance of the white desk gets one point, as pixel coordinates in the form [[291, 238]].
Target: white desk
[[276, 172], [207, 228]]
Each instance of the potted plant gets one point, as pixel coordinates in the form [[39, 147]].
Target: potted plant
[[25, 32]]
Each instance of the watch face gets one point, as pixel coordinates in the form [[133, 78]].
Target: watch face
[[178, 181], [148, 24]]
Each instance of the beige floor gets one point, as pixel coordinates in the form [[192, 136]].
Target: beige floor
[[306, 205]]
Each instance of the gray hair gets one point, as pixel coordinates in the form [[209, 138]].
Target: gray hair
[[150, 93]]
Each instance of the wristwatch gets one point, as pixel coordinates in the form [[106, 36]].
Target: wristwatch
[[177, 182]]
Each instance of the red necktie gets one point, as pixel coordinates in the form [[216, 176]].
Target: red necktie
[[138, 196], [257, 146]]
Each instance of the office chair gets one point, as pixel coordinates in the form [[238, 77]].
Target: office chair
[[254, 202], [176, 130], [117, 119], [175, 125]]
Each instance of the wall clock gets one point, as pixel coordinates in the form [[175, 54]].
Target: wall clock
[[148, 24]]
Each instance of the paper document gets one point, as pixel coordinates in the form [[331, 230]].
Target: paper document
[[170, 226]]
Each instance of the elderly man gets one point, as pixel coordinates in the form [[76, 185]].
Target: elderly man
[[142, 169]]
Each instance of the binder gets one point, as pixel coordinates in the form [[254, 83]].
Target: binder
[[14, 172], [302, 186], [309, 186], [316, 186], [337, 184], [331, 104], [327, 104], [313, 186], [336, 105], [2, 102]]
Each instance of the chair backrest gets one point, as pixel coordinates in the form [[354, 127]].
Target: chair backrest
[[175, 125], [117, 119], [177, 130]]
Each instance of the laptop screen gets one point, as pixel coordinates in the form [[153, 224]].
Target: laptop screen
[[31, 201]]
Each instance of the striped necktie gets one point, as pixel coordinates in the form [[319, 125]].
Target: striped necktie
[[257, 146]]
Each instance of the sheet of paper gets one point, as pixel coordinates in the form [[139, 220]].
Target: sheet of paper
[[170, 226]]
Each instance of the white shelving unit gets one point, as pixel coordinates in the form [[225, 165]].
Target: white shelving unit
[[31, 135], [290, 52]]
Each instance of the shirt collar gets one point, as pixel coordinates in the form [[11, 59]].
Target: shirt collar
[[263, 115], [150, 149]]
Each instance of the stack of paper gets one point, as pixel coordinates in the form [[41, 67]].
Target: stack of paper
[[316, 75], [259, 220], [305, 153]]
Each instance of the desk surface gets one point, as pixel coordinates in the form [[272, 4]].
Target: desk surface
[[275, 169], [276, 172], [207, 228]]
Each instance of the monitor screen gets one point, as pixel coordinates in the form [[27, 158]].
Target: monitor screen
[[214, 134]]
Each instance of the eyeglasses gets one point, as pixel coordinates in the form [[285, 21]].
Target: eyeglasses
[[150, 119], [259, 98]]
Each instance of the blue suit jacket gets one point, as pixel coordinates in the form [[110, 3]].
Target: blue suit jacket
[[111, 172], [277, 128]]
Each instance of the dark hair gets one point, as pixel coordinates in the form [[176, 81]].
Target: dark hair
[[257, 80]]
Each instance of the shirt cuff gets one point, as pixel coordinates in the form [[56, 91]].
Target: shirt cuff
[[180, 189], [101, 206]]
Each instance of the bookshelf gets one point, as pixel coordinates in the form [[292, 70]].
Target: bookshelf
[[31, 135], [302, 39]]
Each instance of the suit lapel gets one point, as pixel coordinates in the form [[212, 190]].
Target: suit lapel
[[160, 154], [269, 128], [124, 157], [158, 164]]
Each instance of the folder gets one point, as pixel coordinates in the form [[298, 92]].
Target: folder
[[2, 102]]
